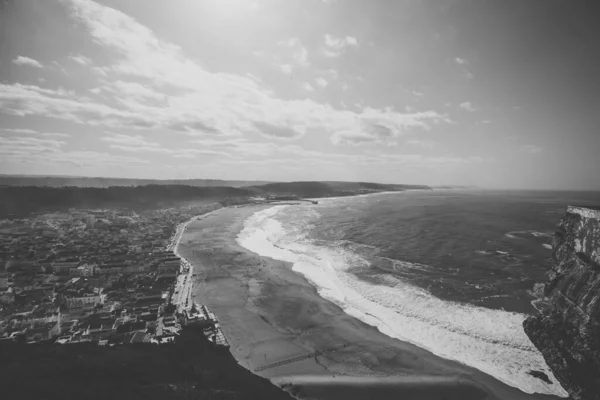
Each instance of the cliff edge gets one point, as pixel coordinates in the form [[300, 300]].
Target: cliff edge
[[567, 331]]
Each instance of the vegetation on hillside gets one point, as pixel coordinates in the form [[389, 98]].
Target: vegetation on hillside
[[190, 368]]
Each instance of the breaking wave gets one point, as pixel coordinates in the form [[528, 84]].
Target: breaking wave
[[492, 341], [523, 234]]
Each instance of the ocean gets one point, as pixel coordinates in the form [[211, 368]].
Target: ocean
[[454, 272]]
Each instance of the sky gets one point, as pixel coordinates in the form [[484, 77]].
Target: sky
[[496, 94]]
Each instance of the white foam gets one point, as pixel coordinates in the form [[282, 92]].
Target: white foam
[[483, 252], [492, 341], [541, 234], [533, 233]]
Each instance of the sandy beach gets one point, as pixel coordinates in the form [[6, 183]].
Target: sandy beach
[[269, 313]]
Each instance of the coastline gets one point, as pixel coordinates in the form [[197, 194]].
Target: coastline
[[185, 283], [270, 313]]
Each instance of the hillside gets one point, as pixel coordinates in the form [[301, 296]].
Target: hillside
[[326, 189], [21, 200], [190, 368], [99, 182]]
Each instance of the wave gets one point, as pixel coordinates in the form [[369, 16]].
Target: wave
[[520, 234], [492, 341]]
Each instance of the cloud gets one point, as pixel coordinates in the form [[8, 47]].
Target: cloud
[[58, 66], [81, 59], [277, 131], [308, 87], [129, 140], [464, 67], [21, 60], [334, 47], [24, 100], [376, 127], [298, 52], [353, 138], [286, 68], [417, 93], [13, 146], [466, 105], [46, 151], [426, 144], [530, 149], [321, 82], [149, 84], [332, 73], [21, 132]]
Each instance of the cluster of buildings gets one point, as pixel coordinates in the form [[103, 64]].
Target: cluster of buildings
[[100, 276]]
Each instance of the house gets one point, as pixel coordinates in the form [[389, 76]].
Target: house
[[87, 300]]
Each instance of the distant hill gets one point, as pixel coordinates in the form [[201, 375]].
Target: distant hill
[[454, 187], [82, 181], [327, 189], [22, 200]]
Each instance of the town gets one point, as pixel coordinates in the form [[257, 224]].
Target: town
[[104, 276]]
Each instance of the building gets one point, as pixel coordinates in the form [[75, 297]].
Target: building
[[84, 270], [63, 267], [86, 301]]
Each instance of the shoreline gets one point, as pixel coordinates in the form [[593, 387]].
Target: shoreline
[[270, 313]]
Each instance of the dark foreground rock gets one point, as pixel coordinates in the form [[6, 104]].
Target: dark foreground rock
[[568, 331], [190, 368]]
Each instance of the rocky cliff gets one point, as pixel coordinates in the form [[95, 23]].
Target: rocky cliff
[[567, 332]]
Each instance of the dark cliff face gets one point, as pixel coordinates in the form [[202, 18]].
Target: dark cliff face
[[568, 331]]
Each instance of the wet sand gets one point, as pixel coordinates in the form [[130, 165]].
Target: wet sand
[[269, 313]]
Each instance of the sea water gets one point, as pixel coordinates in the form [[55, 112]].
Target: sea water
[[452, 272]]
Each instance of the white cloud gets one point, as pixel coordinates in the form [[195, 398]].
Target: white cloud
[[321, 82], [21, 132], [51, 152], [332, 73], [378, 127], [298, 52], [308, 87], [154, 85], [286, 68], [12, 146], [81, 59], [530, 149], [464, 67], [129, 140], [21, 60], [466, 105], [426, 144], [334, 47]]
